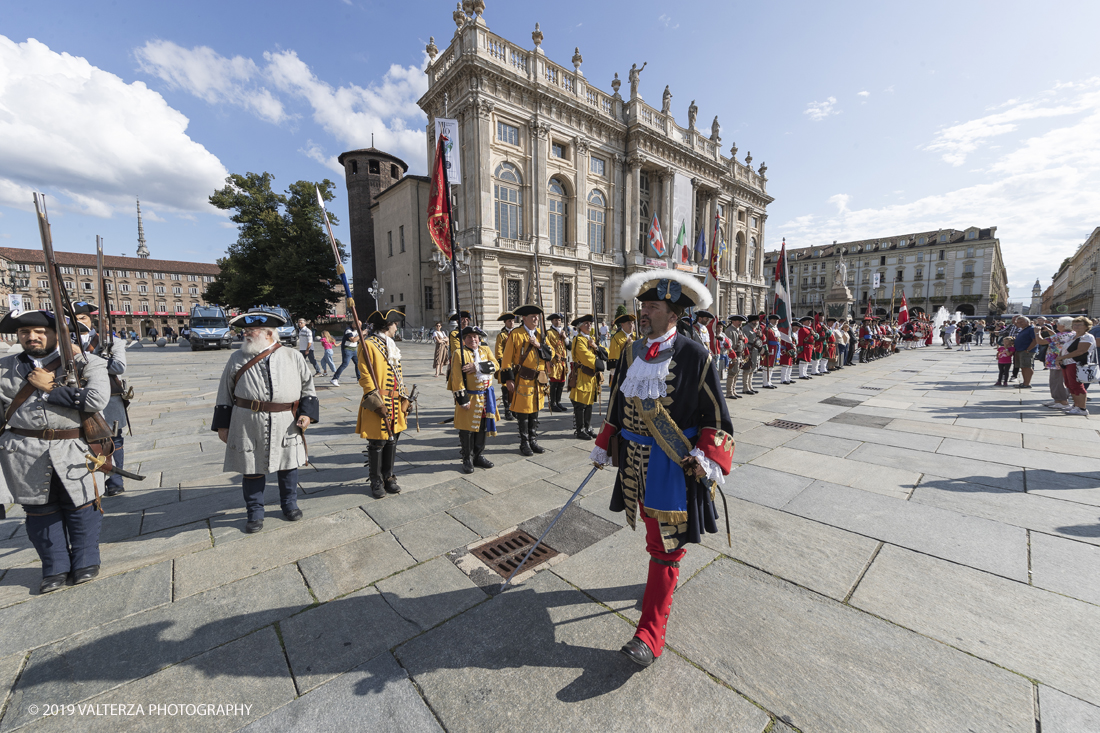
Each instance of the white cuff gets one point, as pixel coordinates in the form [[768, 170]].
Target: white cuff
[[599, 456], [714, 471]]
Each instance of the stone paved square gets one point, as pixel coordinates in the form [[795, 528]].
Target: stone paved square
[[922, 557]]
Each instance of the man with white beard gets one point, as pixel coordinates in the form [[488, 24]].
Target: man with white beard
[[266, 400]]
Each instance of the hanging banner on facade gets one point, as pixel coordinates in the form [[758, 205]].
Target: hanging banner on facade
[[655, 263], [449, 128], [682, 214], [876, 280], [15, 301]]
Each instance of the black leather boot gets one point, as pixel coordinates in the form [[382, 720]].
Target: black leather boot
[[578, 423], [524, 444], [389, 457], [533, 433], [478, 445], [374, 466], [467, 459], [588, 431]]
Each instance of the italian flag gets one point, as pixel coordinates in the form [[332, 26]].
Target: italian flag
[[782, 307]]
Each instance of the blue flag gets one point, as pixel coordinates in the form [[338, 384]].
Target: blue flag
[[701, 245]]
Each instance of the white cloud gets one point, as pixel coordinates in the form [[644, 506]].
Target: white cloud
[[1042, 193], [210, 76], [314, 151], [351, 114], [820, 110], [68, 127], [666, 20], [863, 94], [959, 140]]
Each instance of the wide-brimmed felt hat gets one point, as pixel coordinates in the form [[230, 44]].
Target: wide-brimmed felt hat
[[381, 320], [677, 288], [737, 318], [454, 316], [506, 316], [586, 318], [625, 318], [13, 321], [530, 309], [258, 319], [475, 331], [704, 314], [556, 317]]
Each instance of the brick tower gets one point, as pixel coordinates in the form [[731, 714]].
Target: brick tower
[[367, 173]]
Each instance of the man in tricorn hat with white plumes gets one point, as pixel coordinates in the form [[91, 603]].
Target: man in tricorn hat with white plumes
[[668, 426], [42, 450], [265, 403]]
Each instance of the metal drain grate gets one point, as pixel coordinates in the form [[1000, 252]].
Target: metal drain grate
[[873, 389], [505, 553], [787, 425]]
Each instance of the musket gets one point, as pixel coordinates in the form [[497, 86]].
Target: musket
[[351, 302], [103, 320], [414, 400], [600, 351], [94, 428]]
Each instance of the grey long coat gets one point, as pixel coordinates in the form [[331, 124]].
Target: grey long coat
[[116, 366], [28, 463], [265, 442]]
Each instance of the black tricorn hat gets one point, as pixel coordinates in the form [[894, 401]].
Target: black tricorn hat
[[474, 331], [258, 319], [16, 320], [774, 315], [454, 316], [803, 319], [624, 318], [736, 317], [80, 307], [381, 320], [587, 318], [753, 319], [506, 316], [529, 310], [704, 314], [556, 316]]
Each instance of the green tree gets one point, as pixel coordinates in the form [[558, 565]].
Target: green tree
[[282, 255]]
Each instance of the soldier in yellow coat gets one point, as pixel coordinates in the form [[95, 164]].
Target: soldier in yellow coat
[[584, 381], [509, 321], [558, 370], [462, 319], [475, 400], [526, 355], [383, 408], [621, 341]]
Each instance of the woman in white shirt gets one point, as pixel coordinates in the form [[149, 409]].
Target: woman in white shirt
[[442, 357], [1079, 353]]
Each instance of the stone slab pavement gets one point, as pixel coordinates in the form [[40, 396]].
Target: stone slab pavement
[[920, 555]]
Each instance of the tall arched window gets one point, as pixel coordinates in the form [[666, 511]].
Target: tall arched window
[[723, 244], [643, 210], [752, 258], [558, 208], [738, 247], [508, 201], [597, 214]]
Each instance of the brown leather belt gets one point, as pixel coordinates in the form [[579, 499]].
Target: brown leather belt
[[527, 373], [259, 406], [586, 371], [48, 433]]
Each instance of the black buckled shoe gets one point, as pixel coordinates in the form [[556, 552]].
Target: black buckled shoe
[[292, 515], [391, 485], [83, 575], [113, 490], [638, 652], [253, 526], [482, 462], [52, 582]]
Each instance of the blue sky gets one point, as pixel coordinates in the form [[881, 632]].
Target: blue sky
[[873, 118]]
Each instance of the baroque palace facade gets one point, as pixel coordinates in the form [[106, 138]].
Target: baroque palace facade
[[960, 270], [554, 167]]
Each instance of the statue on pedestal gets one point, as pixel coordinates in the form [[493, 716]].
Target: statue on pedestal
[[666, 101], [635, 76], [693, 112]]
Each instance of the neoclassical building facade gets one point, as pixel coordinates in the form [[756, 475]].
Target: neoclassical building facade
[[555, 168]]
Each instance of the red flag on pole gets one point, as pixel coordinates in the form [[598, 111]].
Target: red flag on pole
[[439, 211], [903, 313]]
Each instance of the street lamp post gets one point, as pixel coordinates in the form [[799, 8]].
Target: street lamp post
[[376, 293], [461, 266]]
